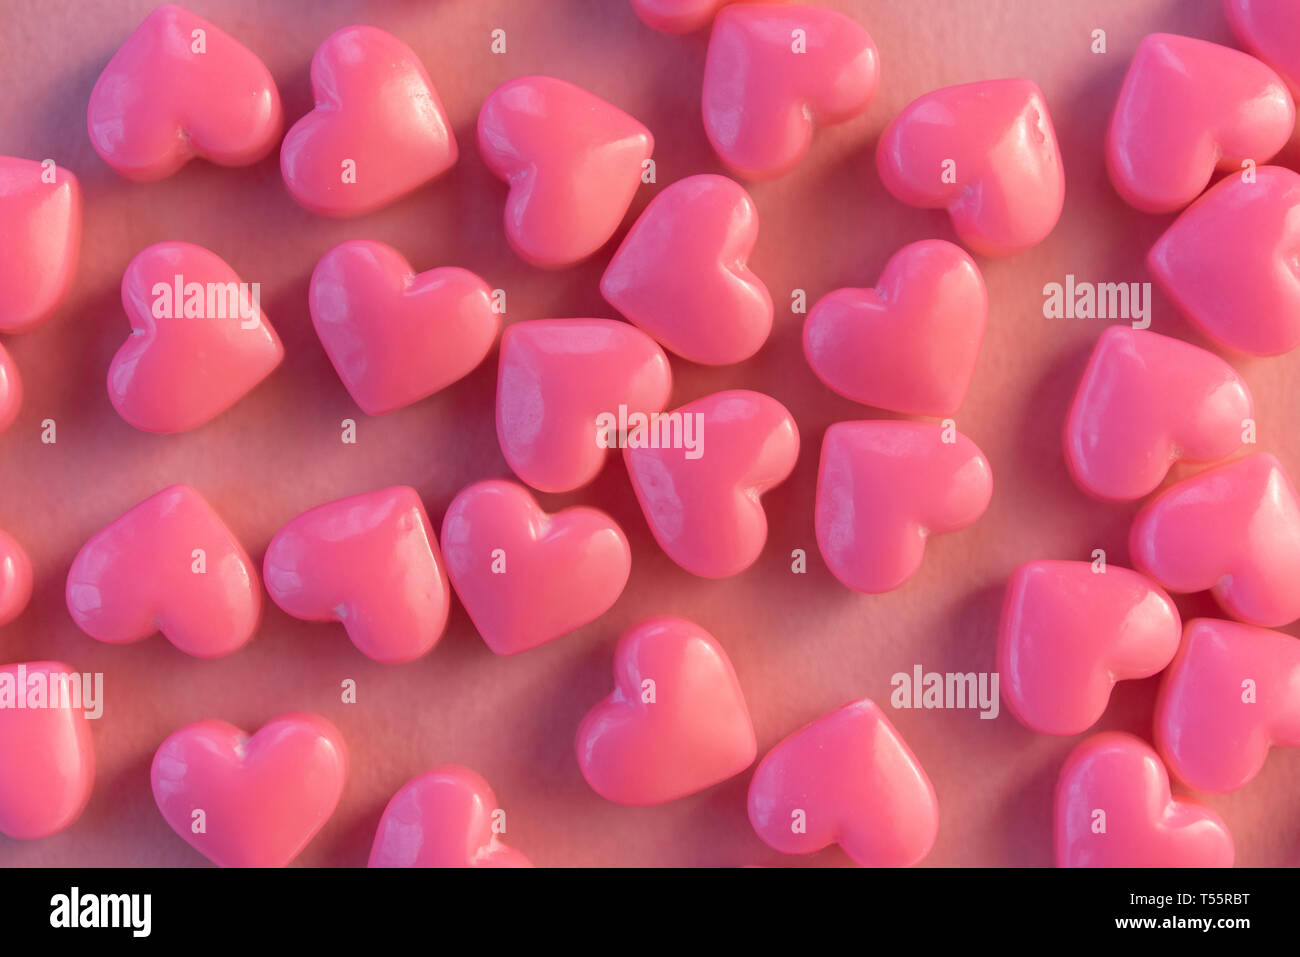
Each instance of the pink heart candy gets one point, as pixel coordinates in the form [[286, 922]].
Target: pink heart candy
[[263, 798], [527, 577], [1268, 29], [682, 273], [676, 722], [378, 130], [180, 87], [11, 390], [169, 564], [369, 561], [573, 163], [15, 578], [1114, 809], [396, 337], [1068, 633], [556, 380], [1233, 529], [911, 343], [699, 476], [773, 73], [40, 207], [47, 759], [1232, 692], [884, 487], [446, 817], [1227, 262], [1145, 402], [850, 779], [987, 153]]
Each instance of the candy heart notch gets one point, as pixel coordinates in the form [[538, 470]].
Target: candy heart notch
[[369, 561], [850, 779], [987, 153], [676, 722], [682, 273], [15, 578], [47, 759], [883, 488], [678, 16], [573, 163], [703, 502], [199, 339], [11, 390], [262, 798], [1228, 262], [566, 391], [169, 564], [1233, 529], [180, 87], [1069, 632], [1268, 29], [1145, 402], [396, 337], [40, 239], [773, 73], [1114, 809], [527, 577], [1232, 692], [911, 343], [443, 818]]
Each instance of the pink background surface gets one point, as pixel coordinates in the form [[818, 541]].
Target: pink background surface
[[801, 644]]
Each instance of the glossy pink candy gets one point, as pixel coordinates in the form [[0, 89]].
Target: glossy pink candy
[[1268, 29], [263, 797], [701, 490], [1114, 809], [378, 130], [446, 817], [676, 722], [883, 488], [15, 578], [169, 564], [369, 561], [11, 390], [40, 210], [527, 577], [1145, 402], [189, 356], [682, 273], [1068, 633], [1006, 185], [774, 73], [556, 379], [678, 16], [1233, 529], [396, 337], [47, 759], [1228, 262], [850, 779], [910, 344], [180, 87], [1231, 694], [573, 163]]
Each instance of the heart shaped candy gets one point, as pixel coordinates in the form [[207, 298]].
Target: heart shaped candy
[[169, 564], [847, 778], [676, 723], [40, 239], [1232, 692], [446, 817], [773, 73], [396, 337], [702, 500], [558, 380], [527, 577], [573, 163], [911, 343], [15, 578], [369, 561], [1069, 633], [1145, 402], [1268, 29], [1114, 809], [681, 274], [11, 390], [884, 487], [262, 798], [180, 87], [1234, 529], [987, 153]]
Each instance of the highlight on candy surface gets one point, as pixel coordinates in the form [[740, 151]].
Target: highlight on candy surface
[[11, 390], [15, 578], [40, 240]]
